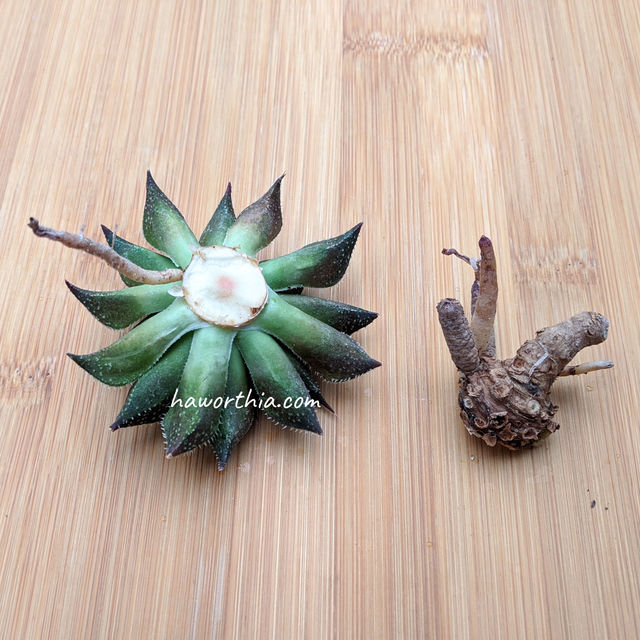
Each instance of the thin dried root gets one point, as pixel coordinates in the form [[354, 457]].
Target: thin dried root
[[470, 261], [507, 402], [124, 266], [585, 367]]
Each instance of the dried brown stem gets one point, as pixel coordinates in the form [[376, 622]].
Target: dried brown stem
[[120, 264], [485, 307]]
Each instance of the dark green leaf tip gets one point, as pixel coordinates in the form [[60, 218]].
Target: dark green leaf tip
[[221, 220], [259, 223], [343, 317], [330, 353], [319, 264], [270, 203], [164, 227], [121, 308], [226, 198], [307, 377], [151, 183], [108, 234], [150, 397], [78, 359], [77, 291], [179, 448]]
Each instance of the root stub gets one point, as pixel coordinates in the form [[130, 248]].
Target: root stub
[[507, 402], [111, 257]]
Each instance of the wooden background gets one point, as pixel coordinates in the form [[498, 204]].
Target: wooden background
[[518, 119]]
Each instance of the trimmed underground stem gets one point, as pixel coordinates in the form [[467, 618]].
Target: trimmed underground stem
[[120, 264], [458, 336], [485, 307], [484, 320], [541, 360], [490, 351]]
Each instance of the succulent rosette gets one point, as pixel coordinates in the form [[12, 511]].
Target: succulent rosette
[[222, 327]]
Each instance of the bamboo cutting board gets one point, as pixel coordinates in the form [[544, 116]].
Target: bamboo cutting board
[[432, 122]]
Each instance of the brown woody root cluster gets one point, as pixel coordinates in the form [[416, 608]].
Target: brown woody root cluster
[[507, 401]]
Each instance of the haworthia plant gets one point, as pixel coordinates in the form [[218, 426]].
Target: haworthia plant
[[219, 334]]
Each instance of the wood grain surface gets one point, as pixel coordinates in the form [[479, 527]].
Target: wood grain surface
[[432, 122]]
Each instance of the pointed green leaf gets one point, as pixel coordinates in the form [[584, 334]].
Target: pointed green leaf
[[120, 309], [151, 395], [195, 413], [238, 416], [137, 351], [258, 224], [144, 258], [319, 264], [165, 228], [330, 353], [341, 316], [307, 377], [277, 382], [223, 217]]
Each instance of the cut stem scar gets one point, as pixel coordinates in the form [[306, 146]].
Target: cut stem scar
[[120, 264], [586, 367]]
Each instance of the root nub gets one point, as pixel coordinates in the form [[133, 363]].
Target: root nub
[[457, 333]]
